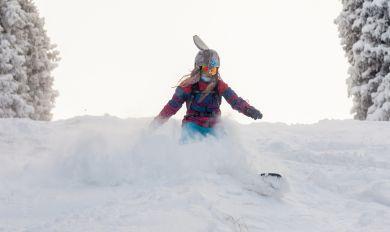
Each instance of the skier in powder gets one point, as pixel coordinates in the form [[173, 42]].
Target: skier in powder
[[202, 90]]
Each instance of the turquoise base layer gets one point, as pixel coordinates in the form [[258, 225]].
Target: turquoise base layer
[[193, 131]]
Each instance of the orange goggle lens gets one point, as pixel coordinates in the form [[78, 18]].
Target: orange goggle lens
[[209, 70]]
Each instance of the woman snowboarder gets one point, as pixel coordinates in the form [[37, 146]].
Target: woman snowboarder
[[202, 90]]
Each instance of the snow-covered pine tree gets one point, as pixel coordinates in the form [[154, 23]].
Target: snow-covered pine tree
[[13, 78], [11, 103], [33, 59], [364, 27], [41, 60]]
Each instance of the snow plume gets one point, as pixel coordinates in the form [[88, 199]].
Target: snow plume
[[103, 154], [104, 158]]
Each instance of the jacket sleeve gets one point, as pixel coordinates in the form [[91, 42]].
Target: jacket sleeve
[[174, 105], [231, 97]]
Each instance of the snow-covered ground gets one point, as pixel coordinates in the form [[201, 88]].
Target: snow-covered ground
[[110, 174]]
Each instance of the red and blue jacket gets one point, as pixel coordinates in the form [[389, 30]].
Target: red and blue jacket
[[205, 113]]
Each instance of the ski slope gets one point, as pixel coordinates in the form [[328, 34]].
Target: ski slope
[[110, 174]]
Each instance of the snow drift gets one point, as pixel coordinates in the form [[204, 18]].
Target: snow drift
[[110, 174]]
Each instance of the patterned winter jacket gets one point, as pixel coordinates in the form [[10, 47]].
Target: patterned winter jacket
[[205, 113]]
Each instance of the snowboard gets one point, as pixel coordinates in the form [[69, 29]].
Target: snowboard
[[271, 174], [269, 184]]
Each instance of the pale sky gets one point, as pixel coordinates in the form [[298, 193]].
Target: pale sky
[[122, 57]]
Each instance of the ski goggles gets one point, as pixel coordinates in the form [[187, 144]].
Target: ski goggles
[[212, 71]]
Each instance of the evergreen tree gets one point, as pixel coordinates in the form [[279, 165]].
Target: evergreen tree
[[364, 27], [30, 58], [13, 79]]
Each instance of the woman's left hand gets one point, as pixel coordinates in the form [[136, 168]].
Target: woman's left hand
[[254, 113]]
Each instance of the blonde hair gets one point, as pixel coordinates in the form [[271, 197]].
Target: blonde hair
[[194, 78], [190, 78]]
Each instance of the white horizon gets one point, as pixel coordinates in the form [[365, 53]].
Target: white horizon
[[123, 58]]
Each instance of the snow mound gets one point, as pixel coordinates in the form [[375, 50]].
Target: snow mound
[[106, 173]]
